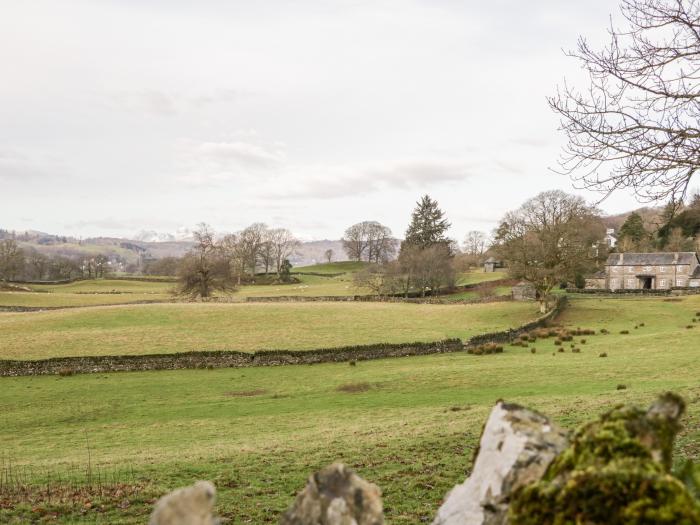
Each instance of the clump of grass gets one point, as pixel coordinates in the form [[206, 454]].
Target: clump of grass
[[65, 372], [604, 331], [622, 387], [352, 388], [533, 350], [557, 342], [689, 326], [576, 350], [624, 332], [641, 325], [583, 341], [603, 354], [560, 350], [485, 349], [352, 363]]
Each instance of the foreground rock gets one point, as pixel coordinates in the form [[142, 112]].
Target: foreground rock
[[616, 471], [336, 496], [516, 447], [187, 506]]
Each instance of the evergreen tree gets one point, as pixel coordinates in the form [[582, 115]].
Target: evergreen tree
[[428, 225], [633, 234]]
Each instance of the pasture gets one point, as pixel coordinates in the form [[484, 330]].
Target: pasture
[[168, 328], [410, 425]]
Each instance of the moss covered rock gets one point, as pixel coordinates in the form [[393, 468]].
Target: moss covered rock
[[615, 471]]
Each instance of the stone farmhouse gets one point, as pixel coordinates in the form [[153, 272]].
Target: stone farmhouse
[[648, 271]]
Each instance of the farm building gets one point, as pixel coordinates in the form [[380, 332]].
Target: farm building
[[491, 264], [648, 271]]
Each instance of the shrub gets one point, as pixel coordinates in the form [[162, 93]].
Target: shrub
[[533, 350], [622, 387], [583, 341], [624, 332], [557, 342], [604, 331], [352, 363], [560, 350], [689, 326], [603, 354]]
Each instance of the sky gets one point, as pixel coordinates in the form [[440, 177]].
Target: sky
[[122, 116]]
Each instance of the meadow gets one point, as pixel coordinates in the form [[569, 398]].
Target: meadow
[[331, 279], [411, 424], [168, 328]]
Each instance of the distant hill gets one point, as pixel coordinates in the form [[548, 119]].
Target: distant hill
[[651, 215], [151, 245]]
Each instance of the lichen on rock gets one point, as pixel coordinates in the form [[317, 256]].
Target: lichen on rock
[[615, 471], [336, 496]]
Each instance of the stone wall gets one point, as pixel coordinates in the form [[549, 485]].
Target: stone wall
[[235, 359]]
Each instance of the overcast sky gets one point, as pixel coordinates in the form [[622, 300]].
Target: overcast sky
[[128, 115]]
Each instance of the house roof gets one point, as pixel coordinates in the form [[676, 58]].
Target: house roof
[[490, 260], [649, 259], [598, 275], [696, 273]]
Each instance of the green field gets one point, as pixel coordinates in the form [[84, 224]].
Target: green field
[[167, 328], [408, 424], [478, 275], [332, 268]]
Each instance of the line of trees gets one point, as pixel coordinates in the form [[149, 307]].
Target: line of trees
[[235, 258], [425, 263], [27, 264]]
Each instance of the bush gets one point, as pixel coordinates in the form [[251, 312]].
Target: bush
[[624, 332], [533, 350], [560, 350], [622, 387], [603, 354], [557, 342], [583, 341]]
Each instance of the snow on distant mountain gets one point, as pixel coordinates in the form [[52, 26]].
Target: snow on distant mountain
[[181, 234]]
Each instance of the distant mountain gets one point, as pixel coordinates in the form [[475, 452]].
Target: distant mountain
[[182, 234]]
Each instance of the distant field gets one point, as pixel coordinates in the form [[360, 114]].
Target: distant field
[[478, 275], [43, 300], [411, 425], [334, 267], [165, 328], [106, 285]]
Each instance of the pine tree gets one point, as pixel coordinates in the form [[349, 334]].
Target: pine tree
[[633, 234], [428, 225]]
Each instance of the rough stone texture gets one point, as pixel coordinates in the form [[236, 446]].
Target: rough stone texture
[[616, 471], [336, 496], [187, 506], [516, 447]]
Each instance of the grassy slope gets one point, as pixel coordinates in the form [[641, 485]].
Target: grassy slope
[[478, 275], [164, 328], [331, 268], [258, 433]]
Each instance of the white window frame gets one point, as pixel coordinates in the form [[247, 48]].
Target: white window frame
[[616, 269], [614, 284], [662, 269], [680, 282], [662, 283], [648, 269], [630, 269]]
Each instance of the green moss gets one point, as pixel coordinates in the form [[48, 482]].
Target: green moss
[[616, 471]]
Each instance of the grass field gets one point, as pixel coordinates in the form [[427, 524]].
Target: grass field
[[166, 328], [409, 424], [478, 275]]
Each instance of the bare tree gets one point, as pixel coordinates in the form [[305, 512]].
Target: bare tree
[[11, 259], [548, 240], [378, 278], [355, 241], [475, 243], [426, 269], [205, 269], [251, 241], [369, 241], [284, 244], [639, 114], [328, 254]]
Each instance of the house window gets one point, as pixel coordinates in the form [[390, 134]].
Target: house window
[[647, 269], [616, 269], [662, 269], [681, 269], [630, 269], [694, 283], [631, 283], [662, 283], [680, 282], [614, 283]]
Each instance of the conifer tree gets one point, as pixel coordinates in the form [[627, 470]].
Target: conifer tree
[[428, 225]]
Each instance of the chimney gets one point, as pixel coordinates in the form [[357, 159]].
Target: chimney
[[621, 259], [675, 258]]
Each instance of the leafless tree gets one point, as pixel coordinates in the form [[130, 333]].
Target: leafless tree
[[635, 125], [251, 241], [328, 254], [369, 241], [284, 244], [428, 269], [548, 240], [11, 259], [475, 243], [205, 269], [378, 278]]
